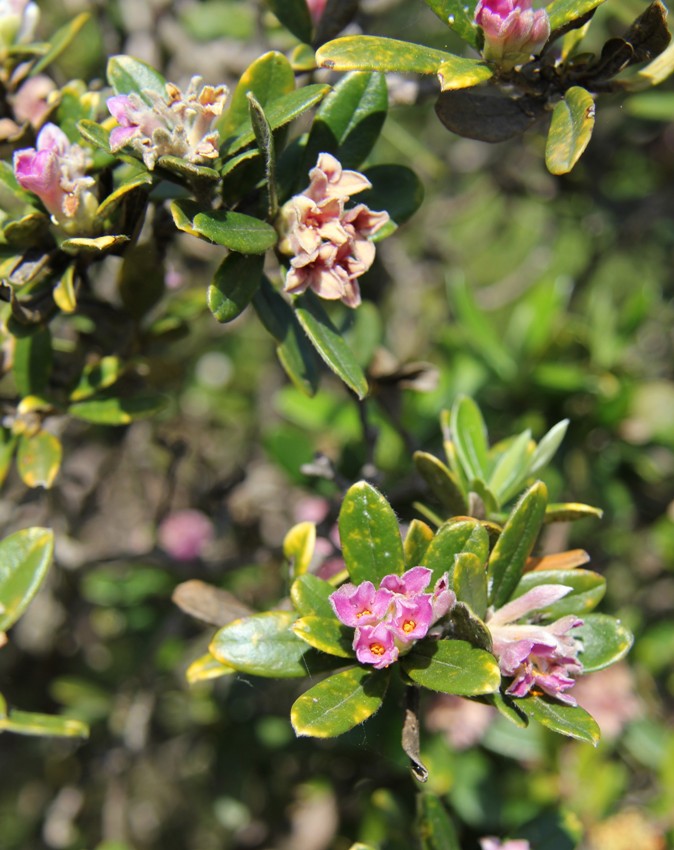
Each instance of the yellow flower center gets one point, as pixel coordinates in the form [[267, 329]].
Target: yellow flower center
[[364, 613], [409, 626], [377, 649]]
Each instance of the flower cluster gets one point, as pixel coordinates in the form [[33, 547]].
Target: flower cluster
[[536, 656], [179, 124], [390, 618], [329, 244], [55, 170], [18, 19], [513, 31]]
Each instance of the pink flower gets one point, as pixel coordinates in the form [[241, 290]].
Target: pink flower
[[316, 9], [360, 605], [31, 102], [411, 618], [409, 584], [536, 656], [184, 535], [330, 246], [509, 844], [54, 170], [375, 645], [178, 124], [513, 31], [462, 721]]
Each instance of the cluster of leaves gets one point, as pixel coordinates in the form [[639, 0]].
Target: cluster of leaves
[[480, 101]]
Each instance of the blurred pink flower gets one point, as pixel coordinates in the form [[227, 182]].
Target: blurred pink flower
[[462, 721], [513, 31], [177, 124], [316, 9], [611, 698], [184, 535], [330, 245], [31, 102], [490, 843], [536, 656]]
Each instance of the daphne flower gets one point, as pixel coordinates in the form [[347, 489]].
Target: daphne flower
[[513, 31], [176, 124], [55, 171], [509, 844], [409, 584], [330, 245], [536, 656], [410, 619], [375, 645], [185, 535], [360, 605]]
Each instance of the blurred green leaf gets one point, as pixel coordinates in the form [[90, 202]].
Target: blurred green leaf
[[25, 557], [460, 16], [396, 189], [205, 668], [311, 595], [326, 634], [339, 703], [416, 543], [372, 53], [38, 459], [29, 723], [329, 343], [605, 640], [509, 556], [570, 130], [588, 589], [7, 446], [59, 41], [117, 411], [452, 539], [235, 282], [370, 535], [452, 667], [131, 76], [97, 376], [294, 15], [434, 825], [570, 511], [298, 546], [572, 721], [32, 362], [64, 293], [443, 483]]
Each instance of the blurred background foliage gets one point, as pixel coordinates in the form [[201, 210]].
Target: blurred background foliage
[[541, 297]]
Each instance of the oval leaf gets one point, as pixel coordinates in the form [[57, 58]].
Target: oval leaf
[[25, 557], [570, 130], [128, 75], [569, 720], [339, 703], [325, 634], [311, 595], [370, 535], [372, 53], [452, 539], [460, 73], [234, 284], [235, 231], [507, 560], [206, 668], [605, 640], [295, 17], [29, 723], [452, 667], [38, 459], [470, 582], [32, 362], [417, 541]]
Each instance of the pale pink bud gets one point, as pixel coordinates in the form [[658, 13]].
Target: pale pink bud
[[410, 583], [184, 535], [39, 172], [375, 645], [513, 31]]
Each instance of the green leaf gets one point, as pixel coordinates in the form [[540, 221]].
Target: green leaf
[[339, 703], [605, 640], [279, 111], [570, 511], [97, 245], [572, 721], [460, 73], [295, 17], [205, 668], [311, 595], [25, 557], [452, 667], [469, 434], [189, 170], [235, 231], [396, 189], [511, 468], [117, 411], [434, 826], [234, 284], [29, 723], [268, 78], [570, 130], [264, 645], [95, 134], [98, 376], [563, 12], [349, 120], [7, 446], [38, 459], [59, 41], [329, 343], [370, 535], [509, 708], [417, 541], [588, 589], [470, 582], [462, 624], [32, 362], [372, 53], [460, 16], [131, 76], [265, 142], [299, 545], [509, 556], [293, 349], [443, 483], [64, 293], [325, 634], [547, 447], [452, 539]]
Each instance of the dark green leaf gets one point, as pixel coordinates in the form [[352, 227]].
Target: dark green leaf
[[435, 828], [25, 557], [117, 411], [329, 343], [294, 351], [372, 53], [565, 719], [326, 634], [264, 645], [443, 483], [32, 362], [339, 703], [488, 114], [452, 667], [7, 446], [370, 535], [462, 624], [396, 189], [235, 231], [294, 15], [131, 76], [417, 541], [349, 120], [460, 16], [509, 556], [38, 459], [451, 539], [470, 582], [234, 284], [588, 589], [509, 708], [605, 640], [141, 281], [570, 130], [311, 595]]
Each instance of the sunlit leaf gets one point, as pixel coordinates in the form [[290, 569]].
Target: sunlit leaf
[[572, 721], [372, 53], [205, 668], [452, 667], [570, 130], [605, 640], [25, 557], [326, 634], [38, 458], [298, 546]]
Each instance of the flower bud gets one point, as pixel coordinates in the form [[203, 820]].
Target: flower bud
[[513, 31]]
